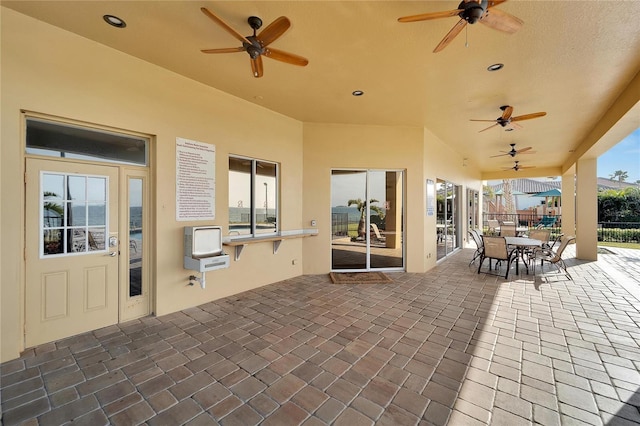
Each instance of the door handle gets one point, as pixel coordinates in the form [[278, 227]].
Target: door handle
[[112, 254]]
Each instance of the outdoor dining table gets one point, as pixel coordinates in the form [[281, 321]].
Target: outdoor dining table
[[519, 230], [522, 243]]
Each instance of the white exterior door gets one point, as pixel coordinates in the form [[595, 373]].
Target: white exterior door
[[72, 249]]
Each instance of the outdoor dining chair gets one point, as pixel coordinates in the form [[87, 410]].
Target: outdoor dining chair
[[477, 238], [541, 234], [496, 248], [554, 257], [508, 230]]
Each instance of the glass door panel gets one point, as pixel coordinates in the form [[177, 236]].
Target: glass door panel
[[441, 217], [473, 209], [386, 219], [448, 223], [452, 217], [348, 220], [135, 293], [136, 233]]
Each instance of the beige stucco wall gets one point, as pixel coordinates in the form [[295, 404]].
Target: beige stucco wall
[[337, 146], [416, 150], [72, 77]]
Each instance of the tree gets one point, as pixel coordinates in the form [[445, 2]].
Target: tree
[[489, 198], [619, 205], [507, 194], [362, 208], [620, 176], [53, 211]]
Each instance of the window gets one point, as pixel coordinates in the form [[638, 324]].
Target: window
[[253, 197], [69, 141], [74, 213]]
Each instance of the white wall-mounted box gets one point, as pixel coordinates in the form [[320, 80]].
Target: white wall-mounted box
[[203, 248]]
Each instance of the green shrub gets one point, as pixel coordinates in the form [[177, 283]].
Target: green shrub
[[631, 235]]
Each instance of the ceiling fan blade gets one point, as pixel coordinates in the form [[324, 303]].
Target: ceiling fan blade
[[501, 21], [492, 121], [224, 50], [529, 116], [429, 16], [520, 151], [499, 155], [282, 56], [506, 114], [256, 67], [215, 18], [488, 128], [457, 28], [274, 30], [494, 3]]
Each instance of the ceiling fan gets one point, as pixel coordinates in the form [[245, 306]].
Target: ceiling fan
[[515, 151], [256, 45], [506, 118], [470, 12], [517, 167]]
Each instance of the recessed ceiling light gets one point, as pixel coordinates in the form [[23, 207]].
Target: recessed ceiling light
[[357, 93], [495, 67], [114, 21]]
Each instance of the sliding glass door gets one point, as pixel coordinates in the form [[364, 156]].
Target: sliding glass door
[[448, 224], [473, 209], [367, 220]]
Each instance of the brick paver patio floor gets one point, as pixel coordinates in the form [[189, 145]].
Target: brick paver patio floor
[[446, 347]]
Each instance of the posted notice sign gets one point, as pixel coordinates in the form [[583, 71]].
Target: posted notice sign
[[195, 180]]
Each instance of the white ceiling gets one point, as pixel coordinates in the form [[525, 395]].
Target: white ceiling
[[571, 59]]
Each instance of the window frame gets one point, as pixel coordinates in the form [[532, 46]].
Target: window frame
[[66, 228], [254, 188]]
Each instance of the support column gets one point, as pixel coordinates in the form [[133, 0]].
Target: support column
[[587, 209], [568, 200]]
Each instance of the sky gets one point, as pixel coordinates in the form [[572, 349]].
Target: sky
[[624, 156]]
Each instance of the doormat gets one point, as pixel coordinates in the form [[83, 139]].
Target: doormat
[[359, 278]]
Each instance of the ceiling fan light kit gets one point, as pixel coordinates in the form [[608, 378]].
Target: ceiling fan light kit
[[256, 45], [506, 118], [517, 167], [513, 152], [470, 12]]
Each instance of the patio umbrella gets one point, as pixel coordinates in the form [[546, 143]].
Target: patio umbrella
[[555, 192], [552, 193]]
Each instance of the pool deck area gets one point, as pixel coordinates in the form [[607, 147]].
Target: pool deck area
[[449, 346]]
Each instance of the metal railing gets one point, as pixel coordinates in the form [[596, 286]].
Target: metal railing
[[340, 224], [616, 232], [619, 232], [530, 220]]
